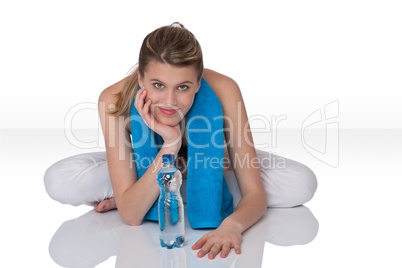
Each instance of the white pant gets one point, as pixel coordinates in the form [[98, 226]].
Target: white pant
[[84, 179]]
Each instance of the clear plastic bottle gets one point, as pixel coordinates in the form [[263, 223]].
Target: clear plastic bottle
[[170, 204]]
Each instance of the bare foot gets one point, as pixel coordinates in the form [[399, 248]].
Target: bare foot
[[106, 205]]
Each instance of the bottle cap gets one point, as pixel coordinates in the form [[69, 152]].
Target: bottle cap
[[168, 158]]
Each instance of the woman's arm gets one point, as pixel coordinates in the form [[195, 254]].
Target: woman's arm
[[243, 157], [133, 197]]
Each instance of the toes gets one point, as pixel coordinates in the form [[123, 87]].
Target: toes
[[105, 205]]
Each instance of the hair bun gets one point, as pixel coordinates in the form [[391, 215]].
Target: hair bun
[[177, 25]]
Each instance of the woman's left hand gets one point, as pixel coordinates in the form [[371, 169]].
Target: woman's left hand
[[221, 239]]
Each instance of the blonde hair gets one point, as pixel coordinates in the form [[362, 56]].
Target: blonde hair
[[174, 45]]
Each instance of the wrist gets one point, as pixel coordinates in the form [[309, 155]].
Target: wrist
[[232, 224], [171, 148]]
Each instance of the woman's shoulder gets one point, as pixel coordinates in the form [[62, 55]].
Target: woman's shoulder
[[225, 88], [110, 94]]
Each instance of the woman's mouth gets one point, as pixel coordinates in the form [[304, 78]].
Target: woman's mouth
[[168, 111]]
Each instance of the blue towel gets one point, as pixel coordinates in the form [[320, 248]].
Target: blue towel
[[209, 200]]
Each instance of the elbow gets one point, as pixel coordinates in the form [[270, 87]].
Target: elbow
[[263, 200], [129, 213], [265, 204], [134, 222], [133, 219]]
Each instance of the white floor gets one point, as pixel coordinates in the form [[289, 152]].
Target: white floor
[[354, 219]]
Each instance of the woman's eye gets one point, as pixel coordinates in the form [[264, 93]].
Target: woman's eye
[[158, 85], [183, 87]]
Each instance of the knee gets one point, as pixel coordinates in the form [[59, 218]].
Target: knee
[[306, 184], [287, 183], [57, 184], [50, 180]]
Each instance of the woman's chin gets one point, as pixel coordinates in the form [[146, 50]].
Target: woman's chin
[[172, 121], [169, 120]]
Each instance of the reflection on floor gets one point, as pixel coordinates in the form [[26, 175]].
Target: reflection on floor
[[357, 204], [94, 237]]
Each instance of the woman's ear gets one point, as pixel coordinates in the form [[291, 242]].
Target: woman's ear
[[198, 86], [140, 80]]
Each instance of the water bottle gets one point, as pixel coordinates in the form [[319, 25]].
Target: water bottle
[[170, 204]]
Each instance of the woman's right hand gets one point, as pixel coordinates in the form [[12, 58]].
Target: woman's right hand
[[172, 136]]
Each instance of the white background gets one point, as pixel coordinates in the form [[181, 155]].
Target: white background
[[289, 57]]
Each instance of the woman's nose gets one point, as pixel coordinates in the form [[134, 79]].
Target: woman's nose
[[170, 98]]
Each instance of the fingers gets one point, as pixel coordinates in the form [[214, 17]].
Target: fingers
[[225, 250], [215, 249], [207, 248], [147, 115], [143, 108], [212, 247], [139, 101], [237, 248], [200, 242]]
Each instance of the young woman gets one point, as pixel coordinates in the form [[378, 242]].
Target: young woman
[[169, 74]]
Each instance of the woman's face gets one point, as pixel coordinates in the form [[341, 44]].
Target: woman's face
[[169, 87]]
